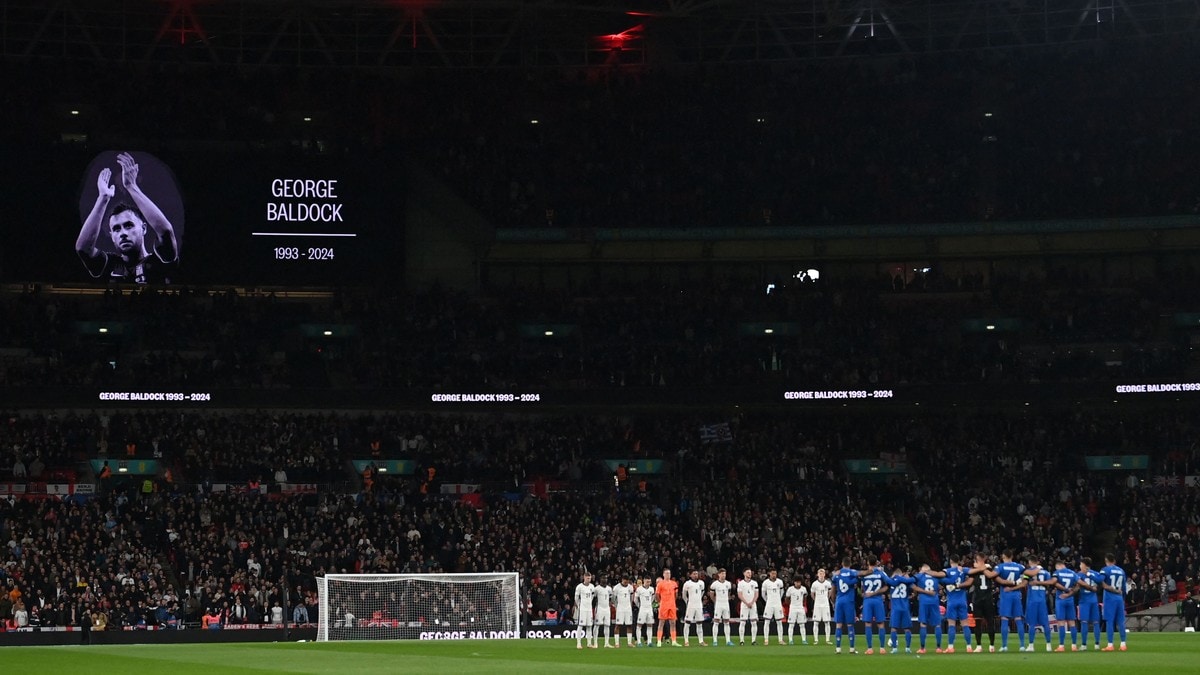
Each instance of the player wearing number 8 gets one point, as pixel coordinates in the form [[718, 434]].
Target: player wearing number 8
[[929, 610], [1115, 587]]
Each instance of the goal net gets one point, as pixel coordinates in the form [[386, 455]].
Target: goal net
[[418, 606]]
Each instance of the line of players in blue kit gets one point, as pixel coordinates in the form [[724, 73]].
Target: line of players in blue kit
[[1022, 602]]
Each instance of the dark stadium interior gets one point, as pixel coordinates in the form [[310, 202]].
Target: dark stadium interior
[[633, 305]]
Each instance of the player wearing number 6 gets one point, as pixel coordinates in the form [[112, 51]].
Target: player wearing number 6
[[1115, 586], [845, 582]]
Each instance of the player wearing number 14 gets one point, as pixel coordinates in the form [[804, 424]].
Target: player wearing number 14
[[1115, 587]]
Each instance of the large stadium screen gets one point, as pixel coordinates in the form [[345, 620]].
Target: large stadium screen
[[208, 216]]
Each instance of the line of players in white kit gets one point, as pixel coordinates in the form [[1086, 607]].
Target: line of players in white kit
[[1022, 600]]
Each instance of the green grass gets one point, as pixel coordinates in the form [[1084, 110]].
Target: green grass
[[1157, 653]]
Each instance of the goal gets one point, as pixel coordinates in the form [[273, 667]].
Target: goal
[[418, 606]]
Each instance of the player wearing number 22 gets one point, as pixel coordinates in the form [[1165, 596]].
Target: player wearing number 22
[[875, 583]]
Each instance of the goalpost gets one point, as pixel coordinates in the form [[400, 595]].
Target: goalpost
[[418, 606]]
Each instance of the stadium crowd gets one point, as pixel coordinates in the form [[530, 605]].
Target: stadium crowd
[[775, 495]]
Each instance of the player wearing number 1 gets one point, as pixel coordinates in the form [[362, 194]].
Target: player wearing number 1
[[845, 582], [1115, 587], [796, 612], [772, 593], [585, 596], [693, 613], [667, 590], [983, 601]]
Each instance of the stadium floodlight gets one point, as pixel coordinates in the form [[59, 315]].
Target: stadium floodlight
[[418, 606]]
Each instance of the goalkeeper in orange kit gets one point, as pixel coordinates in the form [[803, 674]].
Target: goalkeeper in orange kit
[[667, 590]]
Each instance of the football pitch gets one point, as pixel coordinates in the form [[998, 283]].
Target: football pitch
[[1173, 652]]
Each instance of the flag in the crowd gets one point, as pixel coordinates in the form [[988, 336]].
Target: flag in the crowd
[[1167, 481], [1192, 481], [716, 433]]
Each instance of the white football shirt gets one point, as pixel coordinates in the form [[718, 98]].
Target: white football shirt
[[772, 592], [721, 590], [585, 594], [795, 595], [623, 594], [747, 591], [603, 596], [693, 593], [820, 592]]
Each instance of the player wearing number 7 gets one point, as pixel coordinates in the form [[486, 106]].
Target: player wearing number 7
[[1066, 582], [127, 227], [1115, 586]]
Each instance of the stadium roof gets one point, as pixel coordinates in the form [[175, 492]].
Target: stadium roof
[[561, 33]]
